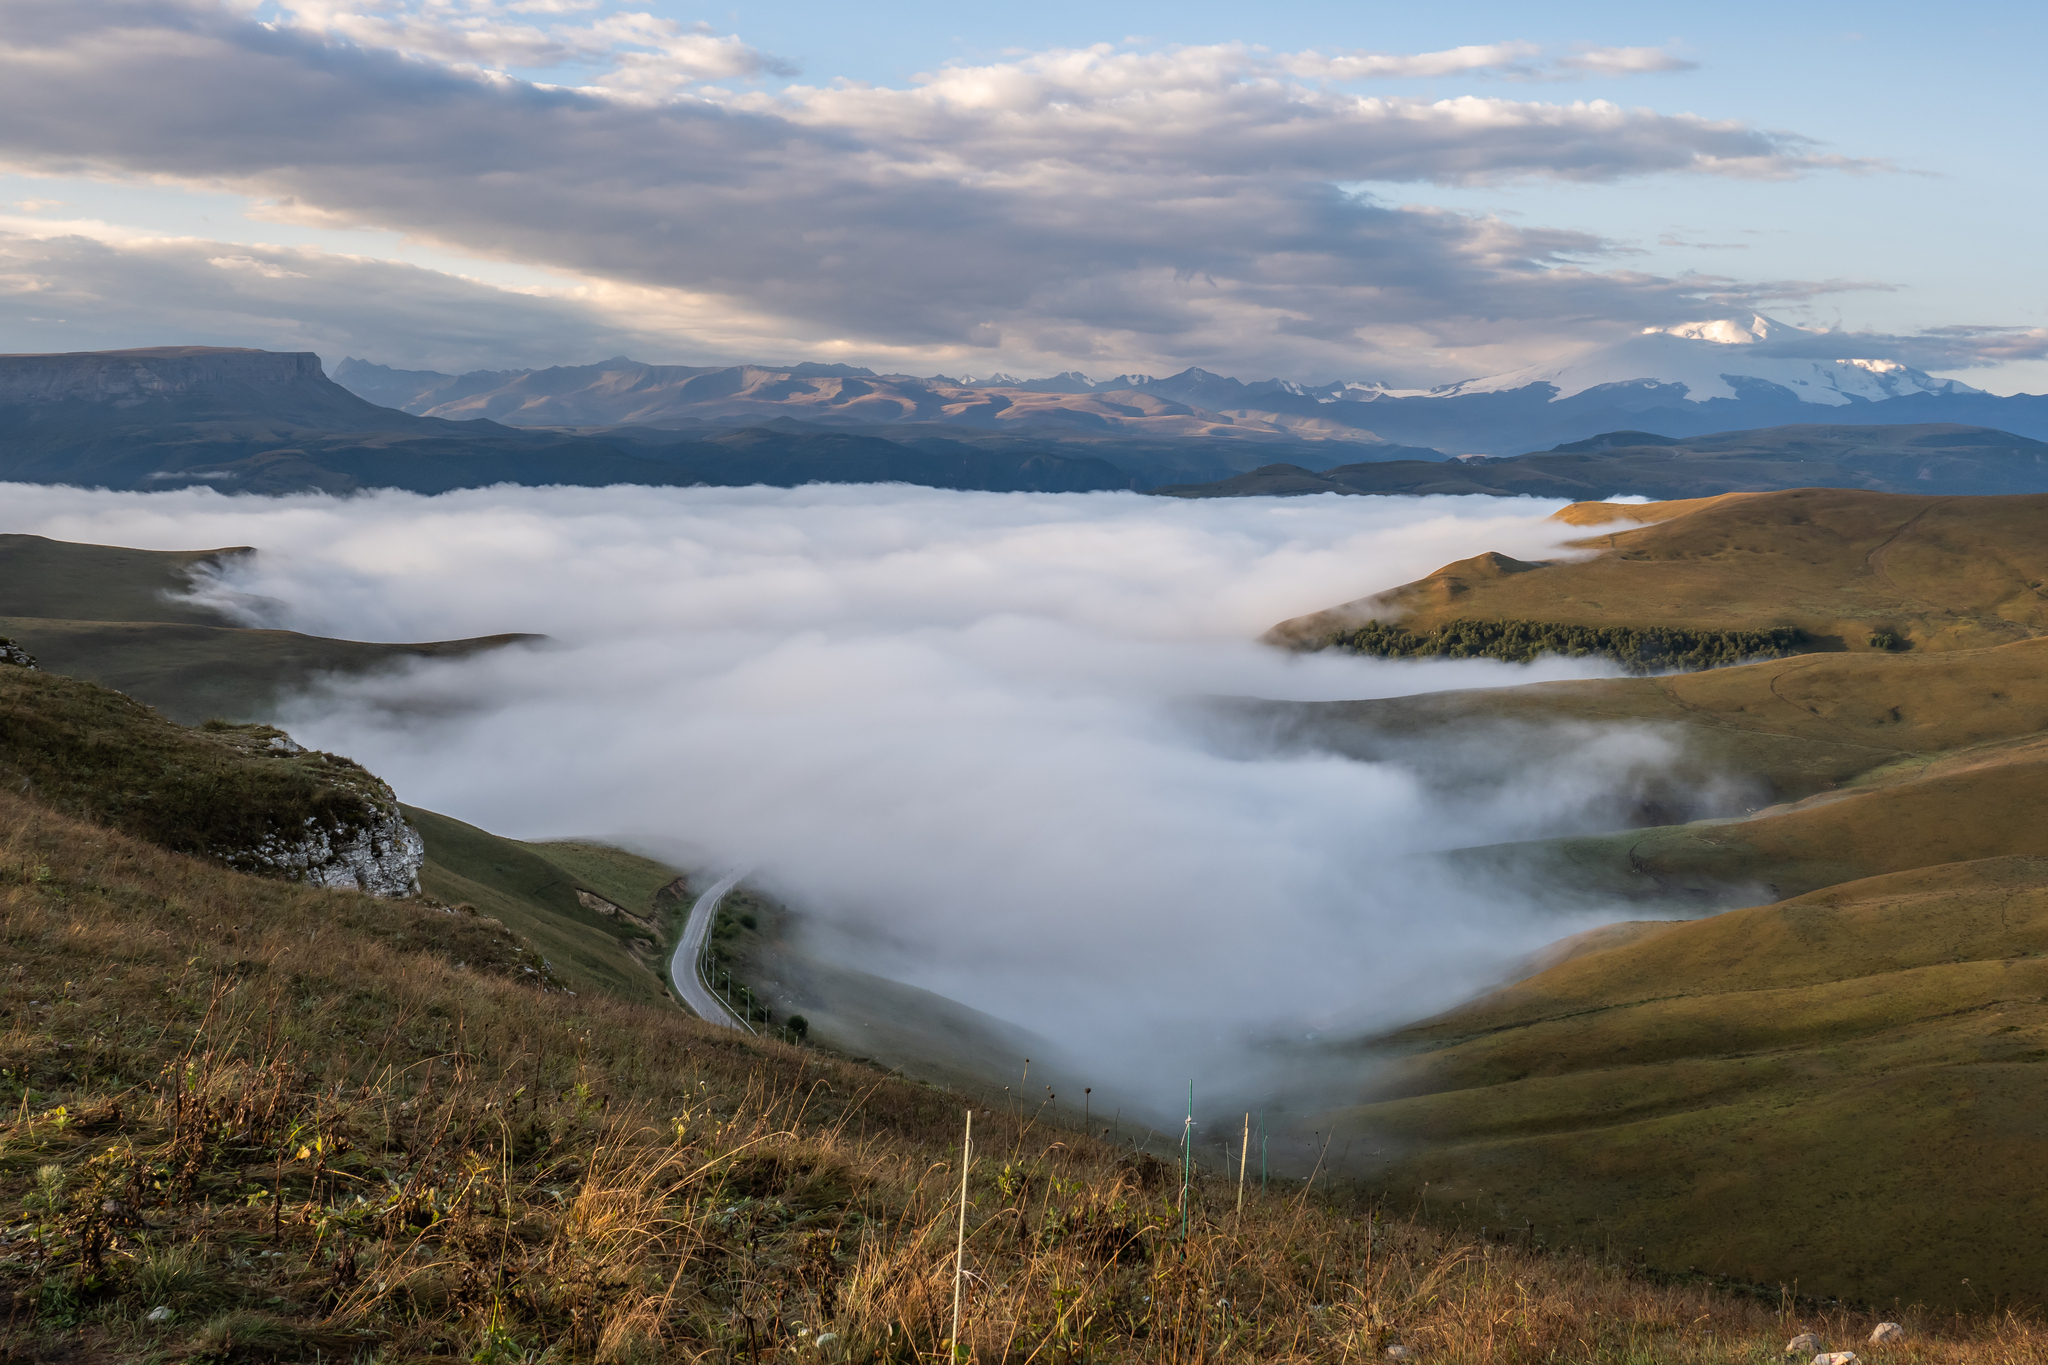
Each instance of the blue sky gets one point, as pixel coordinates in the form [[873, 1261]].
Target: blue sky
[[1889, 184]]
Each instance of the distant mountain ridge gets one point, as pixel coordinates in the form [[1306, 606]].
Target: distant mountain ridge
[[1693, 379], [1946, 458], [620, 392], [249, 421], [266, 422]]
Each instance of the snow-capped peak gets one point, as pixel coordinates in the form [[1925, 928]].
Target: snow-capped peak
[[1710, 357]]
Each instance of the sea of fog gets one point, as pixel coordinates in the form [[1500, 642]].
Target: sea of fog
[[948, 728]]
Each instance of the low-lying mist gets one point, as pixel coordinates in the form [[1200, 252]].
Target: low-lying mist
[[950, 729]]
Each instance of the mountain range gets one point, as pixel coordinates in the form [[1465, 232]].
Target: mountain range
[[269, 422], [1689, 380]]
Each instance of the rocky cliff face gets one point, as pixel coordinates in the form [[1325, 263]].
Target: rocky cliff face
[[381, 858], [123, 379], [365, 845], [86, 394]]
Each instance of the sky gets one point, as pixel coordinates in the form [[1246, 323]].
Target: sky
[[1406, 195], [962, 733]]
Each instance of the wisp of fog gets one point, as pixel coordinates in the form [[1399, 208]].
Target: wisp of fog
[[948, 729]]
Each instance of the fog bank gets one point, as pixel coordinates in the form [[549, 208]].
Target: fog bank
[[949, 728]]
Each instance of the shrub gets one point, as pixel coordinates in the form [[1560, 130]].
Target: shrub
[[1639, 649]]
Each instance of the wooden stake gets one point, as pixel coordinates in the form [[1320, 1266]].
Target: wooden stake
[[960, 1244], [1244, 1156]]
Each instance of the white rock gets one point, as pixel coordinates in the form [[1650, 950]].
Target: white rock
[[1835, 1358], [381, 856], [1399, 1353], [160, 1313], [1885, 1333], [1805, 1344]]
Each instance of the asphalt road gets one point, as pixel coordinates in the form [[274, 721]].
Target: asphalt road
[[682, 965]]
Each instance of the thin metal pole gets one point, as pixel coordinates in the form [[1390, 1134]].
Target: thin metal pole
[[1244, 1155], [960, 1243]]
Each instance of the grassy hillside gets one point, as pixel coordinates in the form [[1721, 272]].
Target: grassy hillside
[[533, 889], [1853, 570], [1823, 1088], [112, 615], [254, 1121], [1789, 728], [1844, 1089], [59, 580], [221, 791]]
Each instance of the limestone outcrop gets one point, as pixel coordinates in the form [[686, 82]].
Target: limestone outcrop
[[364, 844]]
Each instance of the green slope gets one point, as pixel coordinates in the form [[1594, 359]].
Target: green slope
[[1846, 1089], [114, 616], [532, 888]]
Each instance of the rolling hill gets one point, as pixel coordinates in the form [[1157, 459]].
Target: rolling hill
[[1852, 570], [1820, 1080], [119, 617], [1840, 1088]]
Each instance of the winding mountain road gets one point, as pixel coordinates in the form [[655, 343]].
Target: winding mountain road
[[682, 964]]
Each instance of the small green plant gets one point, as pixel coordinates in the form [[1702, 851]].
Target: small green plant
[[173, 1277], [46, 1198], [1888, 640]]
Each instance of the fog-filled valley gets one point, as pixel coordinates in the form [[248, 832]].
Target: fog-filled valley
[[963, 735]]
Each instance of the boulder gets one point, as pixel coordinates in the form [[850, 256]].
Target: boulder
[[1835, 1358], [1887, 1334], [1805, 1344]]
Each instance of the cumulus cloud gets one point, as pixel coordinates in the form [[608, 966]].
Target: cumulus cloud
[[636, 53], [1107, 205], [950, 728]]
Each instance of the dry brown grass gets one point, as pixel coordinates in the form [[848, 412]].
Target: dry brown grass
[[317, 1126]]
